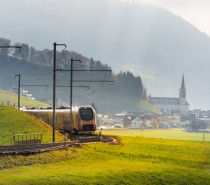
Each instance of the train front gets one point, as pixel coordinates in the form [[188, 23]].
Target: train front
[[87, 118]]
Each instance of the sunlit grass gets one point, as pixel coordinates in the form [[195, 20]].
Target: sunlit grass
[[12, 98], [145, 105], [13, 121], [136, 161], [178, 134]]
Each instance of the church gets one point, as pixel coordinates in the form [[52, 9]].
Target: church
[[169, 105]]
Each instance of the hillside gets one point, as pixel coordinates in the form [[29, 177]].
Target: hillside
[[174, 134], [134, 160], [147, 40], [14, 121], [35, 67], [11, 99], [146, 106]]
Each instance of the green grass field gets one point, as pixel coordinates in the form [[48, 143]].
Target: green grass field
[[178, 134], [14, 121], [12, 98], [135, 161]]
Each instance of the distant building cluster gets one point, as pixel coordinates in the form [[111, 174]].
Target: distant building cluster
[[175, 114], [192, 121]]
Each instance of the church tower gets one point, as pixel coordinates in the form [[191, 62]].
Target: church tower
[[182, 93]]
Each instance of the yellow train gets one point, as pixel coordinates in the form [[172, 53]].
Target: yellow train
[[84, 118]]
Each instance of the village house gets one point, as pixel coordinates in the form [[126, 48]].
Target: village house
[[137, 123]]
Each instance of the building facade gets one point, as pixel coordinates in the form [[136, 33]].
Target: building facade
[[137, 123], [170, 105]]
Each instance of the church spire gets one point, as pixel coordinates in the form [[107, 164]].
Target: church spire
[[183, 84], [182, 92]]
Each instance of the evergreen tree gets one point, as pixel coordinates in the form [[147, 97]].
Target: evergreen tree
[[4, 42], [94, 107]]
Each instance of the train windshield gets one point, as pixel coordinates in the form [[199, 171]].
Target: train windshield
[[86, 114]]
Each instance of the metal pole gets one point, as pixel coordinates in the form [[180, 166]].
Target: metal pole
[[19, 85], [54, 90], [71, 75], [71, 91], [54, 85], [18, 90]]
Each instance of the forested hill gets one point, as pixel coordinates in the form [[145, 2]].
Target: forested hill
[[36, 68]]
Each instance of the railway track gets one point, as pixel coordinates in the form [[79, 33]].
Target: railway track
[[46, 147]]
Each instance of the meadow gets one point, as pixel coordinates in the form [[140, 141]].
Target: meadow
[[133, 160], [177, 134], [14, 121], [12, 98]]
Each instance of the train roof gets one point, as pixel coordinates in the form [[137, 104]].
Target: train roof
[[62, 109]]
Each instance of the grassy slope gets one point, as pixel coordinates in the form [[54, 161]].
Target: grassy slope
[[121, 103], [177, 134], [136, 161], [13, 121], [6, 96], [145, 105]]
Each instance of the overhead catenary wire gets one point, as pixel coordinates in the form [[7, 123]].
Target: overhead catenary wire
[[102, 80], [24, 85]]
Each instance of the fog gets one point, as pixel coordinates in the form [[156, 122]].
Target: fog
[[143, 38]]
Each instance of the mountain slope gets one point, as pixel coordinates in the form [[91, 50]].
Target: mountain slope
[[147, 40], [35, 68], [153, 43]]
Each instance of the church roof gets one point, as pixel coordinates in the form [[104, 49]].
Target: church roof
[[165, 101], [183, 84]]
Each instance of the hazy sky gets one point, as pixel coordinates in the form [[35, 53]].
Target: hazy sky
[[197, 12], [39, 23], [17, 12]]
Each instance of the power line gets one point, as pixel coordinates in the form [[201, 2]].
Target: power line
[[11, 47], [93, 81], [90, 70], [19, 85], [71, 70]]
